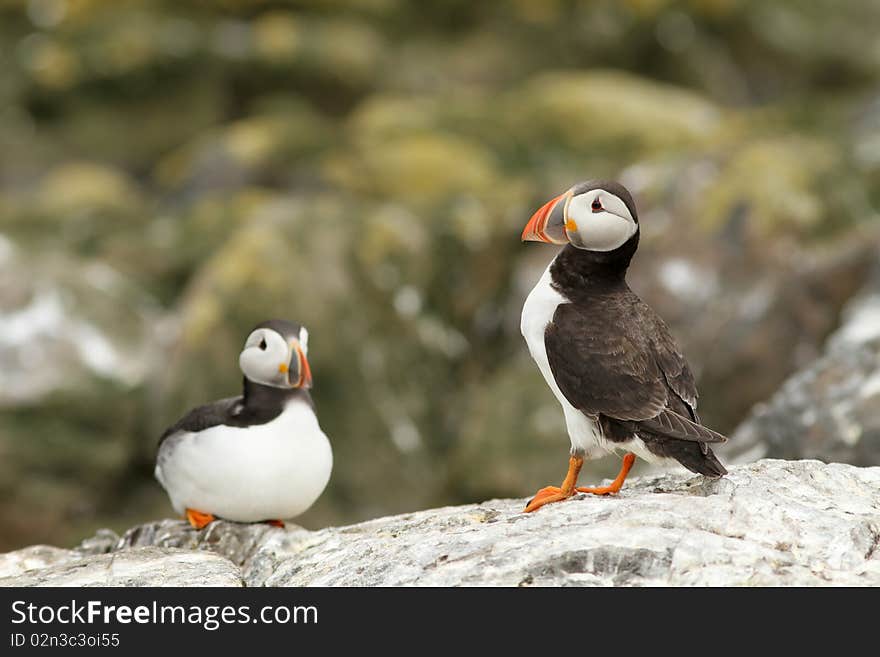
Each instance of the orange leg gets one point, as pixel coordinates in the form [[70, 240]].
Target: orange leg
[[198, 519], [550, 494], [275, 523], [615, 486]]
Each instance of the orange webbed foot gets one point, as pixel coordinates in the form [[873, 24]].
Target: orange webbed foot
[[550, 494], [547, 495], [275, 523], [198, 519]]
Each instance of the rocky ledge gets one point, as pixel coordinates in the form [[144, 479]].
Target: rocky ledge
[[768, 523]]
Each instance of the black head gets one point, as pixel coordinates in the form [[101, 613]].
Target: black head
[[283, 327]]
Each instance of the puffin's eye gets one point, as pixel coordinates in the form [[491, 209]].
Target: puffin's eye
[[263, 344], [597, 204]]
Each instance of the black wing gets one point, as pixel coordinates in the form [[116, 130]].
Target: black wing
[[617, 359], [223, 411]]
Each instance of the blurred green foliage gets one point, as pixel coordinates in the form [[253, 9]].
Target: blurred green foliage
[[174, 172]]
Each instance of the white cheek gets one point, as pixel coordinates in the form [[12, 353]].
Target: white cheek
[[604, 231], [256, 365], [261, 365]]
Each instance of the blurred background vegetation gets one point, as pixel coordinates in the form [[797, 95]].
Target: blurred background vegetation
[[171, 173]]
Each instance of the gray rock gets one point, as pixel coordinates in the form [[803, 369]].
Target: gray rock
[[769, 523], [790, 523], [35, 557], [148, 566], [830, 410], [104, 541], [234, 541]]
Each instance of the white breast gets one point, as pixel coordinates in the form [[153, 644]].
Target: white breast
[[270, 471], [537, 313]]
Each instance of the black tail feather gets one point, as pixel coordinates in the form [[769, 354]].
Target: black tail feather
[[696, 457]]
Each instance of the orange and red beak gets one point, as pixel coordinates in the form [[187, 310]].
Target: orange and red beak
[[299, 367], [548, 223]]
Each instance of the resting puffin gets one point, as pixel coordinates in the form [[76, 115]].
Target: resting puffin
[[607, 356], [258, 457]]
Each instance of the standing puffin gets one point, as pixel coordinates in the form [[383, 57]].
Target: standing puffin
[[606, 355], [257, 457]]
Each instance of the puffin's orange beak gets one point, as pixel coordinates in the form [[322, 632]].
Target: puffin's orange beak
[[548, 223], [302, 367], [305, 372]]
